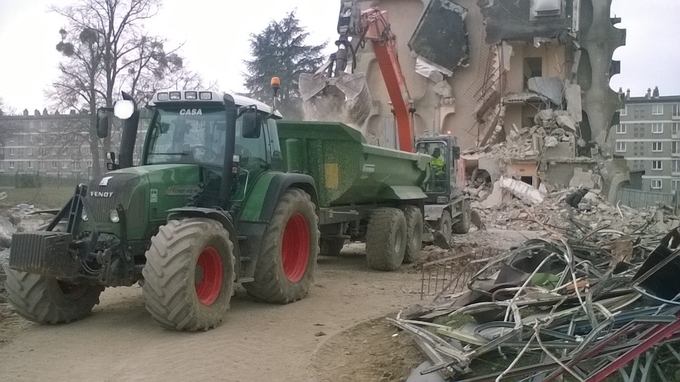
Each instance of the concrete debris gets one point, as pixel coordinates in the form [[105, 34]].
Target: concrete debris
[[594, 303], [522, 190]]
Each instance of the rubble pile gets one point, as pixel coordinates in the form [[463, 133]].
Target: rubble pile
[[583, 307], [554, 215]]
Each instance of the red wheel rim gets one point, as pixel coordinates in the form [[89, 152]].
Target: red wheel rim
[[72, 291], [209, 285], [295, 247]]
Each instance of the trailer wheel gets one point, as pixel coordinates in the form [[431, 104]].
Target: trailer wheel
[[463, 223], [444, 225], [290, 246], [46, 300], [331, 247], [386, 239], [414, 233], [189, 274]]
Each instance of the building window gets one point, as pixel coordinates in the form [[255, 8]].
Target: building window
[[30, 164], [657, 109], [624, 112], [657, 128], [676, 110], [42, 165], [11, 151], [620, 129], [675, 128], [54, 164], [675, 165], [675, 148], [656, 184], [11, 164], [30, 151], [675, 184], [657, 165], [621, 147], [657, 147]]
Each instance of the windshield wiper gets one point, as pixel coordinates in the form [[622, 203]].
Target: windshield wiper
[[169, 154]]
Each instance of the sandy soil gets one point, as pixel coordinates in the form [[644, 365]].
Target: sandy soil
[[336, 334]]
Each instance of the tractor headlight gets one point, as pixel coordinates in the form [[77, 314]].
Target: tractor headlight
[[84, 216], [113, 215]]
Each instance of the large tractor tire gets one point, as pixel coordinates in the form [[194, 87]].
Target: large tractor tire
[[331, 247], [46, 300], [414, 233], [386, 239], [463, 223], [189, 274], [290, 246], [444, 225]]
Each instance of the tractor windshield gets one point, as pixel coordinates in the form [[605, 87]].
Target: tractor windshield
[[180, 135]]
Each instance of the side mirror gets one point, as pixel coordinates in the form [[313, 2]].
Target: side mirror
[[456, 152], [252, 124], [111, 163], [102, 123]]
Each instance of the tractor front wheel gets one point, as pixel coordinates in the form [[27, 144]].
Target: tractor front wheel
[[46, 300], [189, 274], [290, 246]]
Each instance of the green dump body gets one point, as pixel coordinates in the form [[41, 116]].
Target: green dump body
[[347, 170]]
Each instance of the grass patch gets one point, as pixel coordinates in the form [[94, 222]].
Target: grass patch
[[40, 197]]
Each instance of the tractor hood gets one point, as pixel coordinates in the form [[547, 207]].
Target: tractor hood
[[145, 193]]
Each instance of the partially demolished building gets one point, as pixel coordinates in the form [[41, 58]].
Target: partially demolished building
[[523, 83]]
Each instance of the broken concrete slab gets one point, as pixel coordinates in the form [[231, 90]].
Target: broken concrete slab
[[522, 190]]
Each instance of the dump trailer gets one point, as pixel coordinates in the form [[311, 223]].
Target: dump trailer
[[226, 192], [365, 193]]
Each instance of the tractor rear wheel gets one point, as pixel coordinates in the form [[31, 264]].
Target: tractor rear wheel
[[331, 247], [414, 233], [386, 239], [189, 274], [46, 300], [290, 246], [463, 223]]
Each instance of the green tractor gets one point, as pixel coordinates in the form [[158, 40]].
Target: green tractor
[[209, 206]]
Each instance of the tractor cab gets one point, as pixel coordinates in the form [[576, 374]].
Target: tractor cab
[[441, 181]]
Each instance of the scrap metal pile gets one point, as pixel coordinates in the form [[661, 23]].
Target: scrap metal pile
[[584, 307]]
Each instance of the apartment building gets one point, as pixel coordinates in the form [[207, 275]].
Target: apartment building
[[45, 143], [55, 144], [648, 136]]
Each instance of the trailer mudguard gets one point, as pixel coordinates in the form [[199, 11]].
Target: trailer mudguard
[[262, 199]]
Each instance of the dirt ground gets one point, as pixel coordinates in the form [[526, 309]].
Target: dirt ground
[[338, 333]]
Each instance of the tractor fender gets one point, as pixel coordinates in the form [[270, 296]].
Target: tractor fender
[[262, 199], [210, 213]]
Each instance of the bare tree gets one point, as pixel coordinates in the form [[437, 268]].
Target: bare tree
[[107, 50]]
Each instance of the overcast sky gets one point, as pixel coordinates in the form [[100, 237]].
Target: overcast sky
[[215, 36]]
